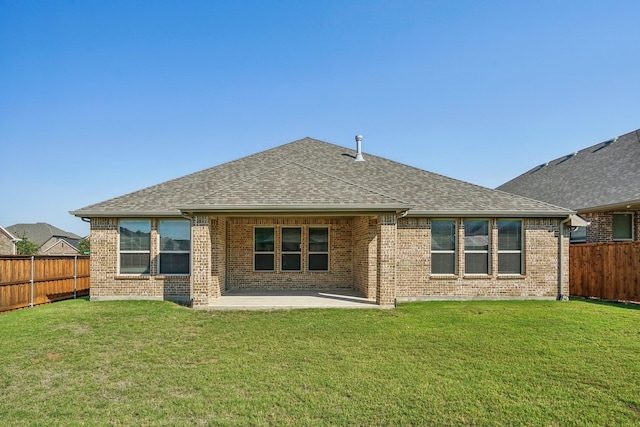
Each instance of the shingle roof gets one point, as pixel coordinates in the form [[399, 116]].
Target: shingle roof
[[605, 174], [40, 232], [8, 234], [314, 175]]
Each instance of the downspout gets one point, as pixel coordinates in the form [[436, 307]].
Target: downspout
[[561, 297]]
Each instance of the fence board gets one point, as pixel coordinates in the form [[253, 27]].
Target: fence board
[[54, 278], [605, 270]]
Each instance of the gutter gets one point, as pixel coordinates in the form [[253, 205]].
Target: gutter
[[490, 213], [324, 208], [632, 204], [573, 221]]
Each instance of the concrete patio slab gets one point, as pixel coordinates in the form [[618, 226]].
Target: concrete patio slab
[[284, 300]]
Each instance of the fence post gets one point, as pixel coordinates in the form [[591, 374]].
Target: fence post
[[32, 280], [75, 275]]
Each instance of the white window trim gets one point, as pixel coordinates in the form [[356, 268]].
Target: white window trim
[[454, 251], [328, 251], [629, 239], [120, 251], [511, 251], [474, 251], [160, 251]]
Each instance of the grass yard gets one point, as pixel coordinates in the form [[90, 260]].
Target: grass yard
[[436, 363]]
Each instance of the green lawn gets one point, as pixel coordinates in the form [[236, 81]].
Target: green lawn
[[437, 363]]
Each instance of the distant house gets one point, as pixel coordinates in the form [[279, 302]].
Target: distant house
[[313, 215], [7, 242], [50, 239], [601, 183]]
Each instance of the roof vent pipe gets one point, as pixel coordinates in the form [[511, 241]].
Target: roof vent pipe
[[359, 157]]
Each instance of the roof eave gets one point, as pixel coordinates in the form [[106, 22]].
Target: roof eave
[[491, 213], [336, 209], [123, 214], [631, 204], [327, 209]]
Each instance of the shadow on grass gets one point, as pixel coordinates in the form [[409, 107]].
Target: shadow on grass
[[630, 305]]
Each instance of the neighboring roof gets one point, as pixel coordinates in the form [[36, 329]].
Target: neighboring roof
[[311, 176], [603, 175], [41, 232], [73, 245], [8, 234]]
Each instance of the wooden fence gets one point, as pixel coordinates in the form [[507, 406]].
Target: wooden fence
[[605, 270], [26, 280]]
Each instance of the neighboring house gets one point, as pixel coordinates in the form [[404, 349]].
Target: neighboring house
[[50, 239], [7, 242], [601, 183], [308, 215]]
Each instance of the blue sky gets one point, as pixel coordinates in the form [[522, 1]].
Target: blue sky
[[101, 98]]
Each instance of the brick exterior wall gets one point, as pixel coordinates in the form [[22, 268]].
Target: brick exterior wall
[[601, 228], [365, 250], [7, 247], [541, 272], [386, 289], [240, 245], [381, 257], [57, 247], [106, 283]]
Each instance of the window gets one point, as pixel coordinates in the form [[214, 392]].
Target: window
[[443, 247], [318, 249], [175, 246], [291, 248], [578, 235], [622, 226], [509, 247], [476, 247], [135, 246], [264, 248]]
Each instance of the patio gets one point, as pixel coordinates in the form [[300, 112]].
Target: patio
[[285, 300]]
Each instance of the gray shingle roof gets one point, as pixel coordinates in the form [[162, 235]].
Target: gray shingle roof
[[605, 174], [40, 232], [315, 175]]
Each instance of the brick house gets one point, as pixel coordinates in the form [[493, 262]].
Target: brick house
[[7, 242], [604, 188], [313, 215], [50, 239]]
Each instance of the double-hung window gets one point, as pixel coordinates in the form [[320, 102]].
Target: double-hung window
[[291, 248], [509, 247], [135, 246], [476, 247], [318, 249], [175, 246], [443, 246], [264, 249], [622, 226]]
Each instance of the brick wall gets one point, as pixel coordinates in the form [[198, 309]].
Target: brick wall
[[375, 256], [7, 247], [387, 253], [365, 249], [601, 228], [414, 278], [106, 283], [240, 274], [57, 247]]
